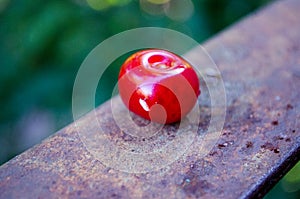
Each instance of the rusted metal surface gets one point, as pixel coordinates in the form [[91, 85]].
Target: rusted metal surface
[[259, 59]]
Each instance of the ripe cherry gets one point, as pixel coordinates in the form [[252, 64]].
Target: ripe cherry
[[158, 85]]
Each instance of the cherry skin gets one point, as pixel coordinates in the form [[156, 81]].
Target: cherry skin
[[158, 85]]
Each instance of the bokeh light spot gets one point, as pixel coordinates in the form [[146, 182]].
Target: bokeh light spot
[[98, 4], [104, 4], [159, 1], [179, 10], [154, 7]]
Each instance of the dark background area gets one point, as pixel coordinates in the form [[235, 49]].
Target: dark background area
[[43, 44]]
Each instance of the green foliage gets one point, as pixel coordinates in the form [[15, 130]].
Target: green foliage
[[288, 187], [44, 42]]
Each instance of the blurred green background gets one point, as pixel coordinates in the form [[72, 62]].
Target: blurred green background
[[44, 42]]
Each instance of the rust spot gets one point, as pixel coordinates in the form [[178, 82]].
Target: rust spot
[[280, 137], [270, 147], [276, 150], [225, 144], [288, 139], [213, 153], [249, 144], [275, 122], [289, 106]]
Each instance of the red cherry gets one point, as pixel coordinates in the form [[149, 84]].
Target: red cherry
[[158, 85]]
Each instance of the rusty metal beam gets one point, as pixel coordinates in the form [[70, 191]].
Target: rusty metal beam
[[259, 59]]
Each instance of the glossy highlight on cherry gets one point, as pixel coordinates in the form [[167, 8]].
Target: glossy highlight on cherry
[[158, 85]]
